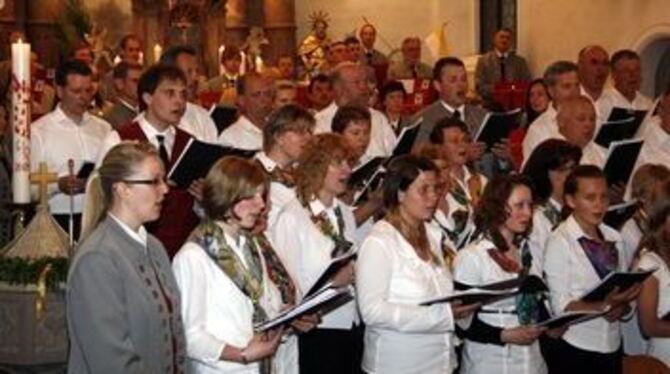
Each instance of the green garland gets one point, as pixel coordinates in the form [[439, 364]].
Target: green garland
[[22, 271]]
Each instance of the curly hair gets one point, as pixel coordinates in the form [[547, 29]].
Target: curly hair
[[324, 150], [492, 210]]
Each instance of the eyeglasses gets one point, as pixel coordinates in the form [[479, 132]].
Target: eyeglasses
[[152, 182]]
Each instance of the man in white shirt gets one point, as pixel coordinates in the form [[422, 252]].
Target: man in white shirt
[[162, 92], [577, 124], [627, 77], [255, 100], [196, 119], [563, 83], [68, 132], [350, 87], [656, 146], [594, 69]]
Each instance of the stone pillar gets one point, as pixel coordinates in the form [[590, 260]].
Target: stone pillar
[[279, 27], [237, 26], [148, 24], [215, 27]]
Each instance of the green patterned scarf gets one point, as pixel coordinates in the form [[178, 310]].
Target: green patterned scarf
[[249, 280]]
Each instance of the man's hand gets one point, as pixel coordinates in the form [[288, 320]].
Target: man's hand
[[71, 185]]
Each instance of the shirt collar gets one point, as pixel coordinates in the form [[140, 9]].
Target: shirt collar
[[576, 231], [150, 131], [61, 117], [460, 109], [268, 164], [139, 236], [317, 207], [247, 124], [500, 54], [127, 104]]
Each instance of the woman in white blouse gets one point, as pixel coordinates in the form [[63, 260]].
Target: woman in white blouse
[[230, 279], [547, 167], [310, 231], [501, 337], [580, 253], [400, 265], [654, 298], [466, 185]]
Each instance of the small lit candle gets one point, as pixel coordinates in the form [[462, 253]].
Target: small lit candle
[[20, 119], [222, 48], [243, 65], [158, 51], [259, 64]]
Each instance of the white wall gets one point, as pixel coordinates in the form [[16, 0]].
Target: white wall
[[550, 30], [397, 19]]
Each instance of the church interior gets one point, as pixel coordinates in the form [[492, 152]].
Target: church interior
[[297, 45]]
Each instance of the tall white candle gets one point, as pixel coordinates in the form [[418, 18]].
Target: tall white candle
[[243, 65], [20, 119], [222, 48], [158, 51], [259, 64]]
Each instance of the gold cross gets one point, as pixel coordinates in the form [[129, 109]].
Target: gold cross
[[42, 178]]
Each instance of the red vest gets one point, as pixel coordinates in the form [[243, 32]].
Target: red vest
[[177, 218]]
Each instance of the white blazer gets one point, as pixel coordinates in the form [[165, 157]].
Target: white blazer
[[216, 313], [391, 280], [570, 274], [474, 266], [306, 252], [659, 347]]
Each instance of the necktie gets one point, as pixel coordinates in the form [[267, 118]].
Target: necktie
[[342, 245], [456, 114], [162, 151], [368, 56], [502, 68], [415, 75]]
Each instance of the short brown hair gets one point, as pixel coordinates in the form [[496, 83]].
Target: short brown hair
[[287, 118], [231, 180], [348, 114], [323, 151]]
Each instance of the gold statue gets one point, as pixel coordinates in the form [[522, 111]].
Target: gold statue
[[312, 50]]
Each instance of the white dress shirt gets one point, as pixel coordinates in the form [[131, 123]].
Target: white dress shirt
[[197, 122], [656, 146], [55, 138], [593, 154], [382, 137], [280, 194], [570, 274], [613, 98], [474, 266], [391, 280], [150, 132], [242, 134], [543, 128], [659, 347], [601, 105], [306, 251], [215, 311], [542, 227]]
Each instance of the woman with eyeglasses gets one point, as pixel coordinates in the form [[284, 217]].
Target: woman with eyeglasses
[[123, 304]]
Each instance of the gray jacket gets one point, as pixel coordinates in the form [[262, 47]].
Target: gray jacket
[[118, 319]]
